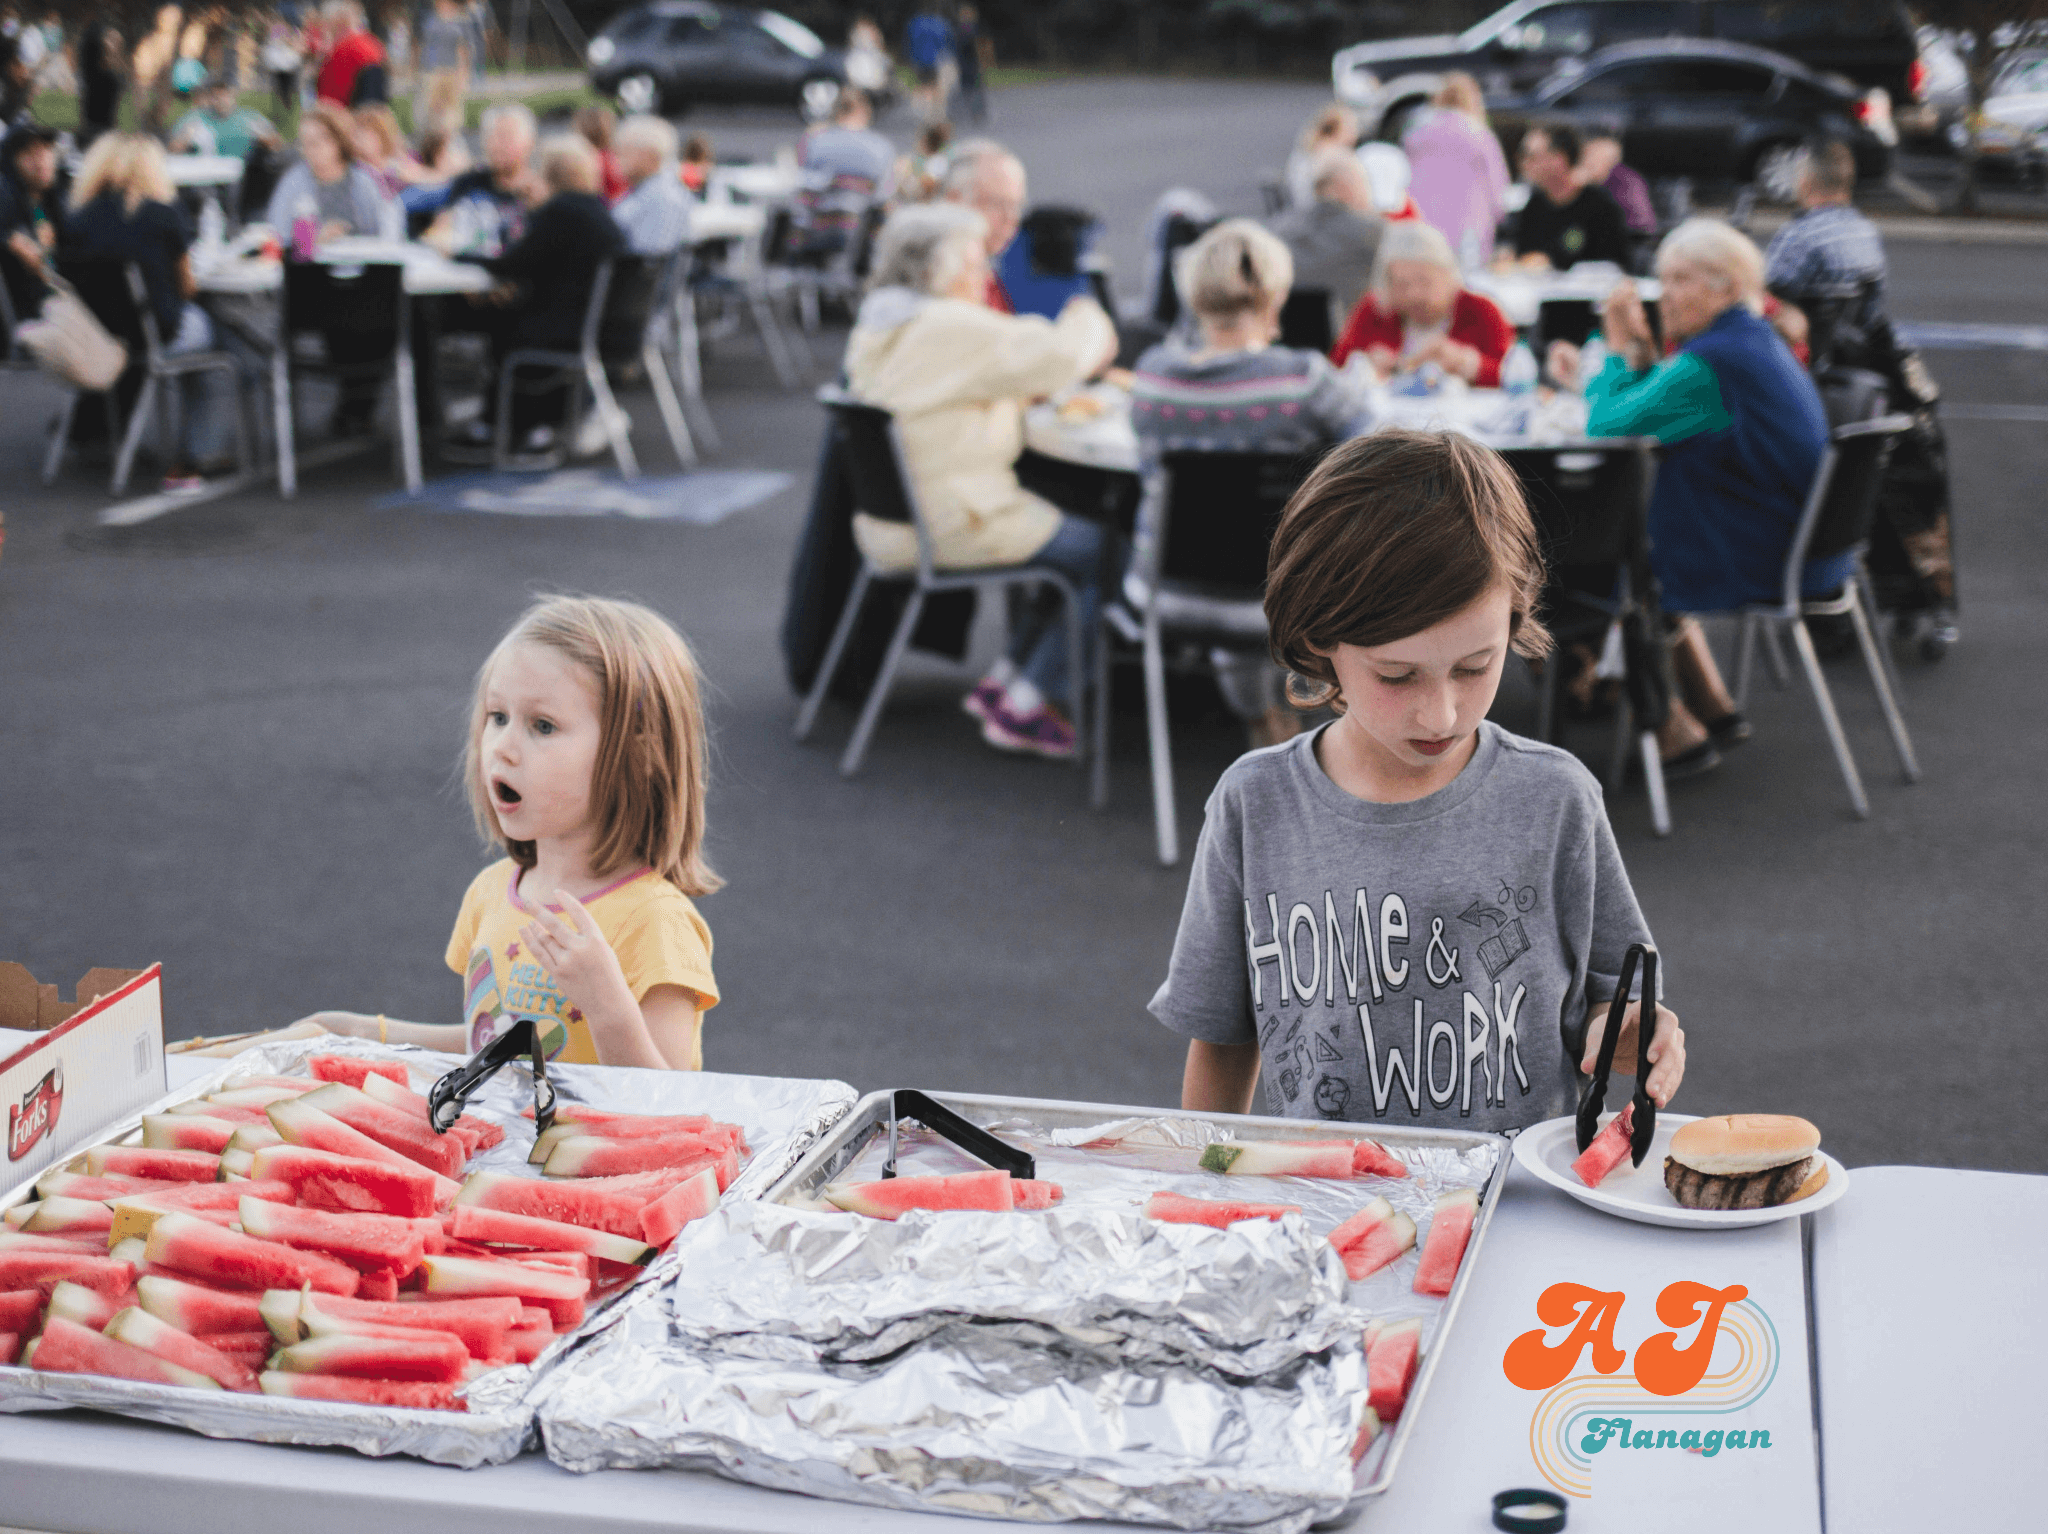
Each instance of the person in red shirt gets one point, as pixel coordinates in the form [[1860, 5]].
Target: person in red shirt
[[355, 48], [1417, 311]]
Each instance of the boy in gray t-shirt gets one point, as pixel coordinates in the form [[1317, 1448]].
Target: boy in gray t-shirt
[[1409, 914]]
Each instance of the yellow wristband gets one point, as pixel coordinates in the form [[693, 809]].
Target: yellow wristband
[[383, 1030]]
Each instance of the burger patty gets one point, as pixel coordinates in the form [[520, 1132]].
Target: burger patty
[[1752, 1190]]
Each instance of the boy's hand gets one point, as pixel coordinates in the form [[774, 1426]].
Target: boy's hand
[[1666, 1052], [576, 953]]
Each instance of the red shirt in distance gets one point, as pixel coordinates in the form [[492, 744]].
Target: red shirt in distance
[[1475, 322], [338, 74]]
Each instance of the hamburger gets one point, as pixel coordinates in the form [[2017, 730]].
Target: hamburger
[[1744, 1161]]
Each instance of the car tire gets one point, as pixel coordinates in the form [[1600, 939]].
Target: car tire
[[1774, 172], [816, 97], [638, 93]]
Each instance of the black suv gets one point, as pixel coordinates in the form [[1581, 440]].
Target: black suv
[[1871, 42], [673, 54]]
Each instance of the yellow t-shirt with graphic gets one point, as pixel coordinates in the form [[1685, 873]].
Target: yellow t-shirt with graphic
[[652, 926]]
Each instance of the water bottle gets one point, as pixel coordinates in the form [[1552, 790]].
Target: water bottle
[[1518, 374], [462, 227], [213, 226], [305, 228], [1592, 359]]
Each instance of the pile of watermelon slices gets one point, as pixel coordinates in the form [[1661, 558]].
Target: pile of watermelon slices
[[307, 1236]]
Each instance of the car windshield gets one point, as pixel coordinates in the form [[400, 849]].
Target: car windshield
[[793, 35]]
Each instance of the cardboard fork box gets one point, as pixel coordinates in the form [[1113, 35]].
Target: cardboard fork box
[[68, 1069]]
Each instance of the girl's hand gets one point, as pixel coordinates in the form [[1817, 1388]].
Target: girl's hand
[[1666, 1052], [582, 962]]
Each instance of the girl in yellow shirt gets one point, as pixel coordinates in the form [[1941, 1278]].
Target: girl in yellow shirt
[[586, 763]]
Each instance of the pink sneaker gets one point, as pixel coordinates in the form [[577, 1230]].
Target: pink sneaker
[[1042, 732], [985, 702]]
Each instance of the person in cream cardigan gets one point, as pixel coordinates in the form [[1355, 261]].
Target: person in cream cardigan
[[957, 376]]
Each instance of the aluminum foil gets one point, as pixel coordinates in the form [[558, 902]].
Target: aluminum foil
[[1081, 1363], [783, 1120]]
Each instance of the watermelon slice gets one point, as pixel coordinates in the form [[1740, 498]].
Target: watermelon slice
[[886, 1200], [66, 1216], [186, 1131], [10, 1344], [236, 1162], [251, 1348], [712, 1135], [469, 1223], [1450, 1228], [1368, 1430], [1369, 1158], [88, 1307], [393, 1095], [1221, 1213], [688, 1200], [196, 1309], [198, 1250], [351, 1072], [253, 1137], [258, 1096], [526, 1343], [227, 1113], [576, 1264], [68, 1348], [561, 1295], [309, 1127], [45, 1270], [210, 1195], [138, 1216], [1035, 1193], [1392, 1350], [571, 1203], [62, 1184], [1279, 1158], [363, 1241], [427, 1357], [1609, 1149], [335, 1387], [381, 1285], [590, 1156], [1372, 1238], [483, 1323], [138, 1328], [393, 1128], [133, 1250], [87, 1244], [141, 1161], [325, 1181], [19, 1309]]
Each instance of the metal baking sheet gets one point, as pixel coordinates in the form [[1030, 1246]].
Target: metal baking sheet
[[783, 1119], [1085, 1363]]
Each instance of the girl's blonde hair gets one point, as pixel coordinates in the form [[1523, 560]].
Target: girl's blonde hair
[[131, 164], [1236, 268], [648, 784]]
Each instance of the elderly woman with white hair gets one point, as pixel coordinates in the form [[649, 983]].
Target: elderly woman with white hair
[[1235, 390], [1743, 430], [654, 214], [1418, 311], [957, 375]]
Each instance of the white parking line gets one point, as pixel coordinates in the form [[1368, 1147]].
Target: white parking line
[[1995, 412], [1971, 338], [149, 507]]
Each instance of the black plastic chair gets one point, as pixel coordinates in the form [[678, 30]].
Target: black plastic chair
[[1565, 319], [882, 488], [1837, 520], [362, 323], [114, 291], [547, 369], [1201, 574], [1591, 505], [1305, 321], [1180, 232]]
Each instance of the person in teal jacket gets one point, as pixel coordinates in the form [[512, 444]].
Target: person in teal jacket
[[1743, 430]]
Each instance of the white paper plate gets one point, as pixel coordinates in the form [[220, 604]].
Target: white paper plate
[[1638, 1193]]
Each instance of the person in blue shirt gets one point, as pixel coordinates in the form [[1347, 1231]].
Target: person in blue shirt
[[930, 40]]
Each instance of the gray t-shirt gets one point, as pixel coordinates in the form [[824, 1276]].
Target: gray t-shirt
[[1425, 963]]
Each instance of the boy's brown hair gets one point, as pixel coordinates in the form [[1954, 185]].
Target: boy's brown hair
[[648, 783], [1394, 532]]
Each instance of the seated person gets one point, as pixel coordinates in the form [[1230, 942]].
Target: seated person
[[957, 375], [697, 161], [986, 177], [1335, 239], [848, 167], [1830, 250], [494, 196], [123, 208], [545, 278], [655, 212], [327, 185], [1564, 221], [382, 151], [1600, 164], [443, 155], [1417, 311], [218, 125], [1236, 279], [1743, 429], [31, 218]]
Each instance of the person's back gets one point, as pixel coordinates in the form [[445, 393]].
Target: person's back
[[153, 235], [1334, 247], [857, 157], [557, 257], [1270, 399]]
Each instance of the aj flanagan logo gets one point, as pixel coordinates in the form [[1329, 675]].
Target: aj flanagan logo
[[1648, 1408], [36, 1114]]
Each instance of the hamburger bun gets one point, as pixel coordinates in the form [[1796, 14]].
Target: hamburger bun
[[1736, 1144]]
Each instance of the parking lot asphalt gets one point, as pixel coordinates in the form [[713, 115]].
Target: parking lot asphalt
[[231, 734]]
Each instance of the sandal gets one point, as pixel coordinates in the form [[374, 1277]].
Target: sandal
[[1693, 762]]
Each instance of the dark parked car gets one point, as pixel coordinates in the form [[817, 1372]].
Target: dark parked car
[[1713, 111], [1871, 42], [673, 54]]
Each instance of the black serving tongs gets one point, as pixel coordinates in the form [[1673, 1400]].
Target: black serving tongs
[[905, 1103], [447, 1097], [1593, 1096]]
